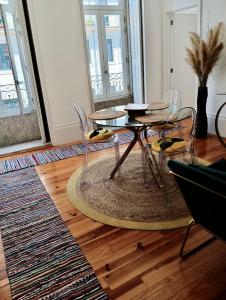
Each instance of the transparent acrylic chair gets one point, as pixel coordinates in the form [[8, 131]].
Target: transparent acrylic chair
[[173, 145], [173, 99], [85, 130]]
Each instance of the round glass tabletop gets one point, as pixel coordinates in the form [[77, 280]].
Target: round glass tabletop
[[129, 120]]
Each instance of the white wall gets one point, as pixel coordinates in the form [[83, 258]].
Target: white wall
[[214, 12], [175, 39], [153, 11], [153, 54], [58, 38]]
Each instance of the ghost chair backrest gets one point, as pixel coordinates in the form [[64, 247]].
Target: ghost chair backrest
[[188, 115], [173, 99], [82, 119]]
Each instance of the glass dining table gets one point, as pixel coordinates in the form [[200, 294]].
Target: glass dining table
[[117, 117]]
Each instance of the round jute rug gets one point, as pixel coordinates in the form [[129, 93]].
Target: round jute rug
[[126, 201]]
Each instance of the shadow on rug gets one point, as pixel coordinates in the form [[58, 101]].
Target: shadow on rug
[[126, 201]]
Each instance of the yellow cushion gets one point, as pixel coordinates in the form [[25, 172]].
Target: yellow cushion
[[99, 134], [171, 144]]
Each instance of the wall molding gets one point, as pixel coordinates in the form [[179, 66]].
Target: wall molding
[[211, 124], [64, 133]]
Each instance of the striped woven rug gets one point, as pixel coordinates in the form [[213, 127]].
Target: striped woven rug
[[42, 258], [58, 153]]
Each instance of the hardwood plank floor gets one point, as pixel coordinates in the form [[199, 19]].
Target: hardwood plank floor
[[126, 271]]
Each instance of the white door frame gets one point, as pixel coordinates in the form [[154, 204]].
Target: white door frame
[[167, 38]]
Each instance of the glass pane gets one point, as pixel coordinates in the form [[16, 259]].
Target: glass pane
[[101, 2], [9, 102], [114, 52], [94, 54], [17, 60]]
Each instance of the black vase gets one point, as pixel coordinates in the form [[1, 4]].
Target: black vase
[[201, 118]]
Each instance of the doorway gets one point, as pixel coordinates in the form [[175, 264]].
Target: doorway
[[179, 74], [19, 121]]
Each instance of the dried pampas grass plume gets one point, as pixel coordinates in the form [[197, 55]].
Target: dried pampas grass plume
[[203, 55]]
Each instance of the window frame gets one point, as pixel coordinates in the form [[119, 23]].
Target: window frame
[[100, 11], [103, 7]]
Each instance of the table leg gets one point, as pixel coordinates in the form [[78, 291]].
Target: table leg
[[152, 162], [125, 154]]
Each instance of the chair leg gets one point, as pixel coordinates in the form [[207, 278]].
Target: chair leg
[[154, 166], [186, 237], [85, 157], [117, 153], [200, 246], [193, 158], [85, 163], [144, 164], [162, 162]]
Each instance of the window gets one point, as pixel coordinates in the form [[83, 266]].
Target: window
[[107, 49], [110, 50], [15, 89]]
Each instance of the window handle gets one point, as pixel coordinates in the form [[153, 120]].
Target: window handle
[[18, 82]]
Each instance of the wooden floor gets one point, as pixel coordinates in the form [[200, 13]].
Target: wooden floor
[[153, 271]]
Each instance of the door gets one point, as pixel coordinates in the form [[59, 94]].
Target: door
[[182, 77], [115, 54], [18, 62]]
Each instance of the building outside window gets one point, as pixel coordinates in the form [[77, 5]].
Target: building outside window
[[110, 50], [4, 57]]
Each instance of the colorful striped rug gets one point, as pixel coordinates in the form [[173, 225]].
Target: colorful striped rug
[[43, 260], [58, 153]]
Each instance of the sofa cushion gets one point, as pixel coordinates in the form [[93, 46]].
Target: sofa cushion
[[219, 165], [217, 168]]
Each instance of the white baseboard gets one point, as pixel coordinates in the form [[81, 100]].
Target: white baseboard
[[70, 132], [211, 123], [66, 133], [222, 124]]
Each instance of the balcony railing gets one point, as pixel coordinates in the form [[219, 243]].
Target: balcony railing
[[116, 81], [9, 101], [8, 91], [97, 85]]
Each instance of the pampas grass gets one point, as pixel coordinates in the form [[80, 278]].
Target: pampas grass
[[203, 55]]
